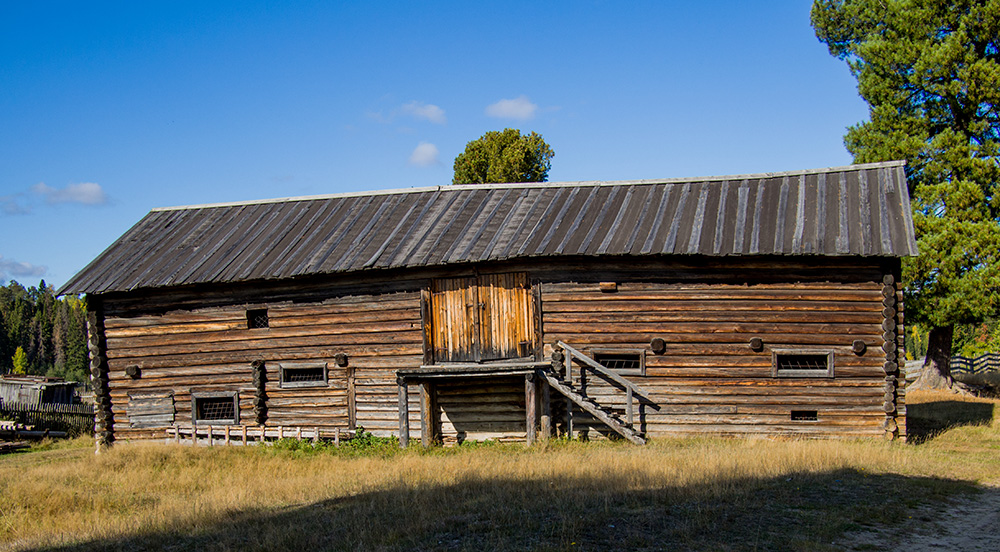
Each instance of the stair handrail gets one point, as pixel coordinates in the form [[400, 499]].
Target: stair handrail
[[631, 389], [601, 369]]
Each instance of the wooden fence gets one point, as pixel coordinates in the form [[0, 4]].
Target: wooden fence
[[989, 361], [980, 371], [75, 419], [243, 434]]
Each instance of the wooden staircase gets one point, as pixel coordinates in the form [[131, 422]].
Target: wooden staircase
[[565, 385]]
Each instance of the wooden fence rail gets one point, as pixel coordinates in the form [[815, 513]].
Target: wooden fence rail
[[244, 434], [989, 361], [75, 419]]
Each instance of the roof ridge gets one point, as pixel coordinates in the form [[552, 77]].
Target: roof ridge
[[528, 185]]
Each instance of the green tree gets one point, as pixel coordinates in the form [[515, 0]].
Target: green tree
[[930, 72], [50, 332], [20, 361], [506, 156]]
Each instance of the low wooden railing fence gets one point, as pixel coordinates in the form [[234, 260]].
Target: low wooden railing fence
[[244, 434], [74, 419], [989, 361], [980, 371]]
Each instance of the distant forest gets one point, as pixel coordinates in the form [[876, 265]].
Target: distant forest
[[41, 334]]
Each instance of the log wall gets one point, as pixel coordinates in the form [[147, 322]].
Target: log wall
[[478, 409], [707, 379], [211, 349]]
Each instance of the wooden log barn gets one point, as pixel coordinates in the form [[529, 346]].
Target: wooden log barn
[[765, 304]]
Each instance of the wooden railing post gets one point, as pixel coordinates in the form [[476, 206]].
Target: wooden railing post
[[546, 421], [569, 418], [628, 405], [428, 414], [404, 414], [568, 356]]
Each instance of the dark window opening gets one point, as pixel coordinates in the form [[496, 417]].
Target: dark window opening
[[622, 362], [303, 374], [803, 364], [215, 407], [257, 319], [804, 416]]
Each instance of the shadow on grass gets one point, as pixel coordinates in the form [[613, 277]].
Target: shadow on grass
[[802, 511], [926, 419]]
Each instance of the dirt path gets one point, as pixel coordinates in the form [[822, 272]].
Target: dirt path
[[969, 524]]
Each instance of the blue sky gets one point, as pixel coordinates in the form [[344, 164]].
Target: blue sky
[[110, 110]]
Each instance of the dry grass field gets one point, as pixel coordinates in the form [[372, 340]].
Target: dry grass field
[[679, 494]]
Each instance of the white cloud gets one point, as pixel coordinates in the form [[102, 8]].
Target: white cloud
[[86, 193], [518, 108], [424, 155], [429, 112], [14, 268]]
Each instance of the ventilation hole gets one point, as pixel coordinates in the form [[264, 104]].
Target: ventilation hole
[[804, 416]]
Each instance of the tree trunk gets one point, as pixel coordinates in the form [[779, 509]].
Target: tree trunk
[[936, 372]]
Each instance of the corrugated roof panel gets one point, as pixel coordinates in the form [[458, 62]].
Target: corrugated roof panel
[[858, 210], [341, 236], [474, 219], [322, 223]]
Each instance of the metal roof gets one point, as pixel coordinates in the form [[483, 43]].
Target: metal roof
[[861, 210]]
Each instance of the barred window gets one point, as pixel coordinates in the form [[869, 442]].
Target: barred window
[[622, 361], [257, 319], [302, 374], [802, 364], [215, 408]]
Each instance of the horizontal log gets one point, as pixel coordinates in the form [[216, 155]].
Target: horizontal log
[[640, 338], [639, 281], [134, 410], [156, 339], [669, 332], [483, 408], [750, 316], [165, 419], [651, 306], [261, 340], [296, 352]]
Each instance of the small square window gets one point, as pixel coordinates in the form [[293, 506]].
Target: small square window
[[221, 408], [257, 319], [302, 374], [802, 363], [628, 362]]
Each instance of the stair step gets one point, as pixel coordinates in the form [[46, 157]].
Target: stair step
[[594, 409]]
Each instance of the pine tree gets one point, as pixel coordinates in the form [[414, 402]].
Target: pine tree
[[930, 72]]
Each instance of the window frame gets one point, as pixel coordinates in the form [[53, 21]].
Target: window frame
[[641, 353], [200, 395], [779, 373], [251, 314], [283, 366]]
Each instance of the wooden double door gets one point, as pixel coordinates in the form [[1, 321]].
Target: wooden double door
[[483, 317]]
